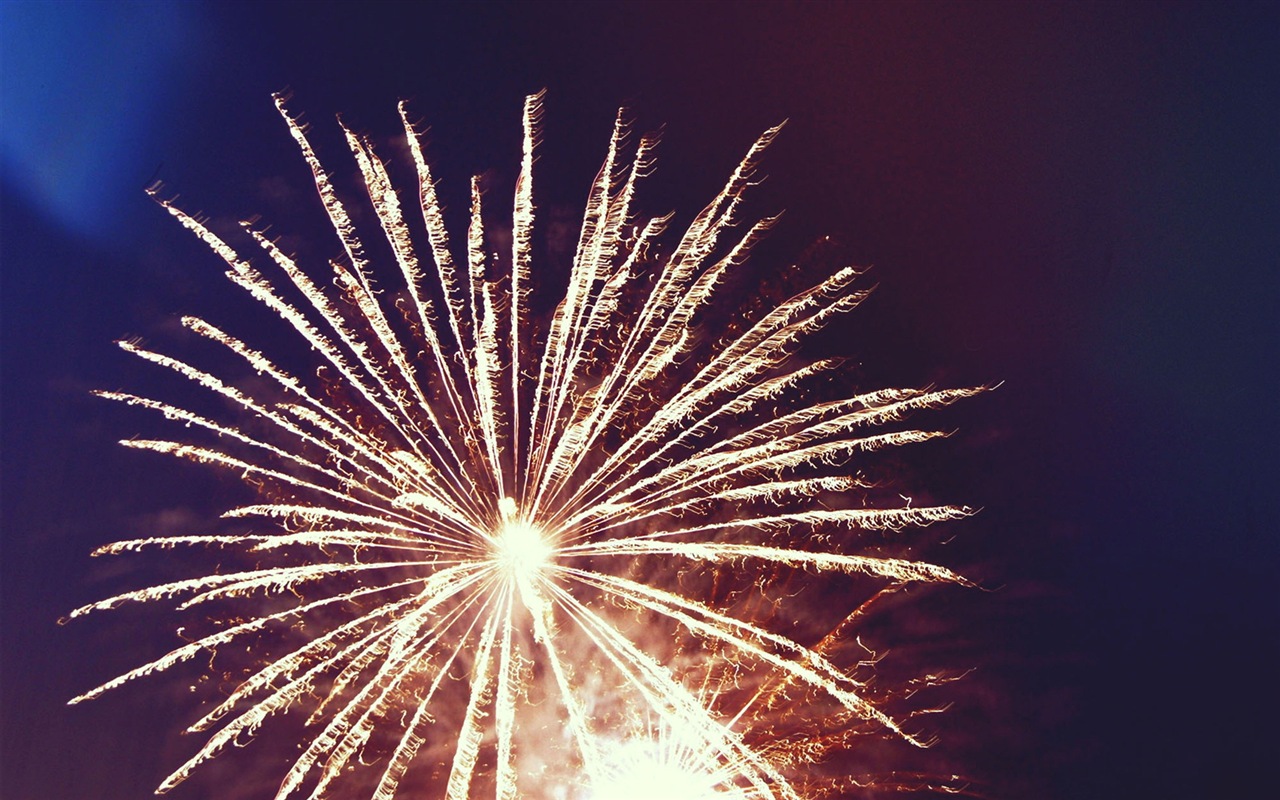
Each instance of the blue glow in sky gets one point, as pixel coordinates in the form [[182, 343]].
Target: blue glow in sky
[[78, 84]]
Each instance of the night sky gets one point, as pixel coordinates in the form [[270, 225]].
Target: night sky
[[1077, 200]]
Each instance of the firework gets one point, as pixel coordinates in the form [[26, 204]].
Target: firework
[[478, 520]]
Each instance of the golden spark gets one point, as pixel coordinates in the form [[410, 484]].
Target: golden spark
[[474, 512]]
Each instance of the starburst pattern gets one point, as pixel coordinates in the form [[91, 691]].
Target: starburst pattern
[[473, 514]]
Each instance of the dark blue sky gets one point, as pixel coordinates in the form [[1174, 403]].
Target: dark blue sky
[[1078, 200]]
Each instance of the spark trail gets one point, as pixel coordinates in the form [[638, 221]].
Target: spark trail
[[479, 508]]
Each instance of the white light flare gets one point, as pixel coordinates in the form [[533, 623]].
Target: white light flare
[[647, 771], [521, 549]]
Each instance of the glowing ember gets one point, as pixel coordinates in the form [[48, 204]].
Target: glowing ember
[[475, 523]]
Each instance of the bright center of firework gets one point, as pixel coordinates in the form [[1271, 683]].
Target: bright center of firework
[[663, 770], [653, 780], [520, 547]]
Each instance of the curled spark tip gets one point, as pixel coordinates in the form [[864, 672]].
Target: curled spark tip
[[281, 97], [501, 508]]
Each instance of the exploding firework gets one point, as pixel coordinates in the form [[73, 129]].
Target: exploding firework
[[531, 552]]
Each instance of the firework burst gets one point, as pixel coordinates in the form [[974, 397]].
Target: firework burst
[[476, 520]]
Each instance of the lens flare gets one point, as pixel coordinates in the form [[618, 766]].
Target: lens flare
[[486, 535]]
